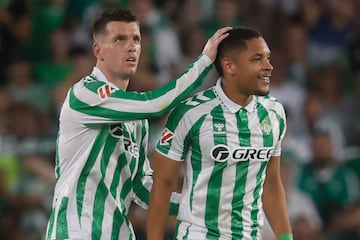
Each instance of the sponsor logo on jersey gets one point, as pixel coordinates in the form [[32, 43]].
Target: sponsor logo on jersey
[[219, 128], [105, 91], [131, 147], [222, 153], [116, 131], [166, 136]]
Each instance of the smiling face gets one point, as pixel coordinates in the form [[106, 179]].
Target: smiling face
[[118, 49], [247, 71]]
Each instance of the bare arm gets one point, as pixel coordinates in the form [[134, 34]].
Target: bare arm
[[274, 199], [165, 177]]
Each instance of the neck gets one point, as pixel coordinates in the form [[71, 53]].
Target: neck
[[120, 83], [234, 94], [117, 79]]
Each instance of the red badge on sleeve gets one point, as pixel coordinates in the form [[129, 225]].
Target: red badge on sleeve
[[104, 91], [166, 136]]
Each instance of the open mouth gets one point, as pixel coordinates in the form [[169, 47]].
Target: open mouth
[[265, 79], [131, 59]]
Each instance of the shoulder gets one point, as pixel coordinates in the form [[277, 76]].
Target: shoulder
[[91, 91], [270, 101], [91, 83], [272, 104], [195, 102]]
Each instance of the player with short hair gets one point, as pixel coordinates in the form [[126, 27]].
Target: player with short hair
[[229, 137], [101, 157]]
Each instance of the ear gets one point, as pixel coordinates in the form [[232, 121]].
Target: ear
[[227, 66], [97, 51]]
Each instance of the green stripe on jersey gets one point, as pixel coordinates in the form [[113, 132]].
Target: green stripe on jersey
[[80, 189], [139, 189], [138, 98], [98, 210], [215, 181], [176, 115], [117, 221], [51, 224], [92, 83], [187, 105], [97, 111], [121, 162], [62, 229], [281, 123], [245, 134], [264, 118], [195, 157], [57, 161], [265, 122], [102, 190], [241, 174]]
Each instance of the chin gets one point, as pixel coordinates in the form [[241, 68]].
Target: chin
[[262, 93], [131, 73]]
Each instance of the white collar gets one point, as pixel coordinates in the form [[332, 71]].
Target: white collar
[[101, 77], [232, 106]]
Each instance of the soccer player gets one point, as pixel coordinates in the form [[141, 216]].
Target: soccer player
[[229, 137], [101, 162]]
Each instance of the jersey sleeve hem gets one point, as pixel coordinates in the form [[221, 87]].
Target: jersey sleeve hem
[[171, 156], [206, 59]]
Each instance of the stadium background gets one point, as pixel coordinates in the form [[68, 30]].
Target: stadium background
[[45, 46]]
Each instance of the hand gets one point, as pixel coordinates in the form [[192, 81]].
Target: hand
[[212, 44]]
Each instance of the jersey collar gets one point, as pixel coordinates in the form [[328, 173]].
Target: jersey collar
[[101, 77], [232, 106]]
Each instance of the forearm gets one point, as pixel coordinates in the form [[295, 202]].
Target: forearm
[[158, 211], [275, 208]]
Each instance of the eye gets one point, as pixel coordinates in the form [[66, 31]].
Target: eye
[[120, 39], [257, 58], [137, 39]]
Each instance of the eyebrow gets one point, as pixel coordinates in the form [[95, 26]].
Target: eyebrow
[[261, 54], [127, 36]]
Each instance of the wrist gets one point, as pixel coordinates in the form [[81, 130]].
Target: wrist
[[285, 236]]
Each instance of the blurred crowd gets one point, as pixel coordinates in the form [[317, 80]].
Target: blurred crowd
[[46, 46]]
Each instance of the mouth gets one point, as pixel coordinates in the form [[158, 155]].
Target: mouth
[[266, 79], [131, 60]]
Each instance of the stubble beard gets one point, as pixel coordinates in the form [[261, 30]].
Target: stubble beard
[[262, 93]]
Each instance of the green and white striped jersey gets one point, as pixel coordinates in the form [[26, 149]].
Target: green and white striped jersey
[[226, 149], [101, 161]]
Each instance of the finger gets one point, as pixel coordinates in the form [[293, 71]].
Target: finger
[[222, 31], [220, 34], [220, 38]]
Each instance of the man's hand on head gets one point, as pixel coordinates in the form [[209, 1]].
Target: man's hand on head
[[212, 44]]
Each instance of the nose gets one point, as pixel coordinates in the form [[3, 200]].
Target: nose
[[132, 46], [268, 65]]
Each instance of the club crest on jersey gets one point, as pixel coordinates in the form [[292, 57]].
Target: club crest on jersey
[[166, 136], [266, 127], [105, 91]]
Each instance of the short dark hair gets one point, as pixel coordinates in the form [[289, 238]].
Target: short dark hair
[[236, 40], [109, 15]]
